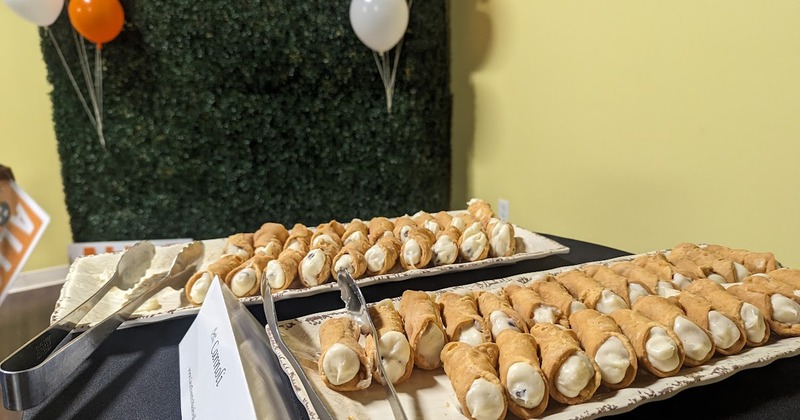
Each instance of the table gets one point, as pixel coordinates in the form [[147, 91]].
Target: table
[[134, 374]]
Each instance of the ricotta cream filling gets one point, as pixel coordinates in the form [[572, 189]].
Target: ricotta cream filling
[[472, 334], [662, 351], [723, 331], [412, 252], [200, 288], [445, 251], [754, 325], [613, 359], [275, 275], [500, 322], [525, 385], [574, 374], [610, 302], [396, 352], [696, 343], [312, 266], [785, 310], [376, 258], [243, 281], [501, 239], [340, 364]]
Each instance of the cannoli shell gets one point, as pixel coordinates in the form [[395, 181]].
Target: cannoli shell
[[357, 227], [489, 302], [240, 242], [464, 364], [289, 261], [760, 296], [637, 328], [724, 302], [658, 264], [378, 227], [359, 261], [391, 247], [426, 220], [332, 236], [665, 311], [334, 225], [706, 259], [609, 280], [525, 301], [755, 262], [480, 209], [636, 274], [452, 234], [517, 347], [697, 308], [425, 239], [268, 232], [347, 333], [556, 345], [443, 218], [221, 267], [492, 230], [554, 294], [593, 330], [386, 318], [786, 275], [258, 262], [271, 249], [459, 312], [581, 287], [301, 234], [774, 285], [419, 310]]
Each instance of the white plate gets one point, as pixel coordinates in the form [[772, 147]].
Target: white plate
[[87, 274], [429, 395]]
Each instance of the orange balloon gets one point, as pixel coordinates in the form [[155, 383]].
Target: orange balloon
[[99, 21]]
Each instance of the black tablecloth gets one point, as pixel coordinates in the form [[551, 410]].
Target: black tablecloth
[[134, 374]]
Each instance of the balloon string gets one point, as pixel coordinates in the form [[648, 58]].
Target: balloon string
[[83, 58], [98, 79], [388, 71], [71, 77]]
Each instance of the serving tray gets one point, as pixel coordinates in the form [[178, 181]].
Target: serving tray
[[429, 395], [87, 274]]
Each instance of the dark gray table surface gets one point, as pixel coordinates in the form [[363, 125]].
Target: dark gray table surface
[[134, 374]]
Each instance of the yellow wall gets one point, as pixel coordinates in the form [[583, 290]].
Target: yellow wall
[[636, 124], [27, 140]]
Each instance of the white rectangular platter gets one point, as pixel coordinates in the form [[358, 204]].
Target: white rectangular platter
[[87, 274], [429, 395]]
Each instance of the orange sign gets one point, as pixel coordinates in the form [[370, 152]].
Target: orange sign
[[22, 223]]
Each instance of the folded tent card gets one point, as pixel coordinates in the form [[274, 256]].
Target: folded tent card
[[226, 356]]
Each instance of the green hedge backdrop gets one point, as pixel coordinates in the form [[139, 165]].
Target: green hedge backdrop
[[220, 116]]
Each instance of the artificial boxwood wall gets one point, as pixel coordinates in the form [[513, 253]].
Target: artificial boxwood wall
[[220, 116]]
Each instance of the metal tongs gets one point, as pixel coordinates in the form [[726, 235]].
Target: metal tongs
[[43, 365], [357, 308]]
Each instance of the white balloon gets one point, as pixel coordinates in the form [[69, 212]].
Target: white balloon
[[379, 24], [39, 12]]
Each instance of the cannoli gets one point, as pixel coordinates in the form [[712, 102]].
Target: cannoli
[[444, 218], [351, 258], [754, 262], [728, 334], [521, 374], [315, 268], [784, 287], [462, 220], [698, 345], [658, 349], [378, 228], [687, 271], [755, 326], [473, 245], [472, 374], [556, 295], [617, 283], [343, 364], [590, 292], [426, 220], [281, 273], [240, 244], [402, 226], [356, 230], [445, 249], [480, 209], [271, 248], [326, 234], [395, 349], [531, 306], [417, 250], [501, 238], [461, 319], [666, 271], [382, 256], [498, 314], [299, 238], [422, 323], [605, 343], [334, 225], [572, 376], [197, 286], [640, 276], [268, 232], [245, 280], [779, 307], [716, 268]]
